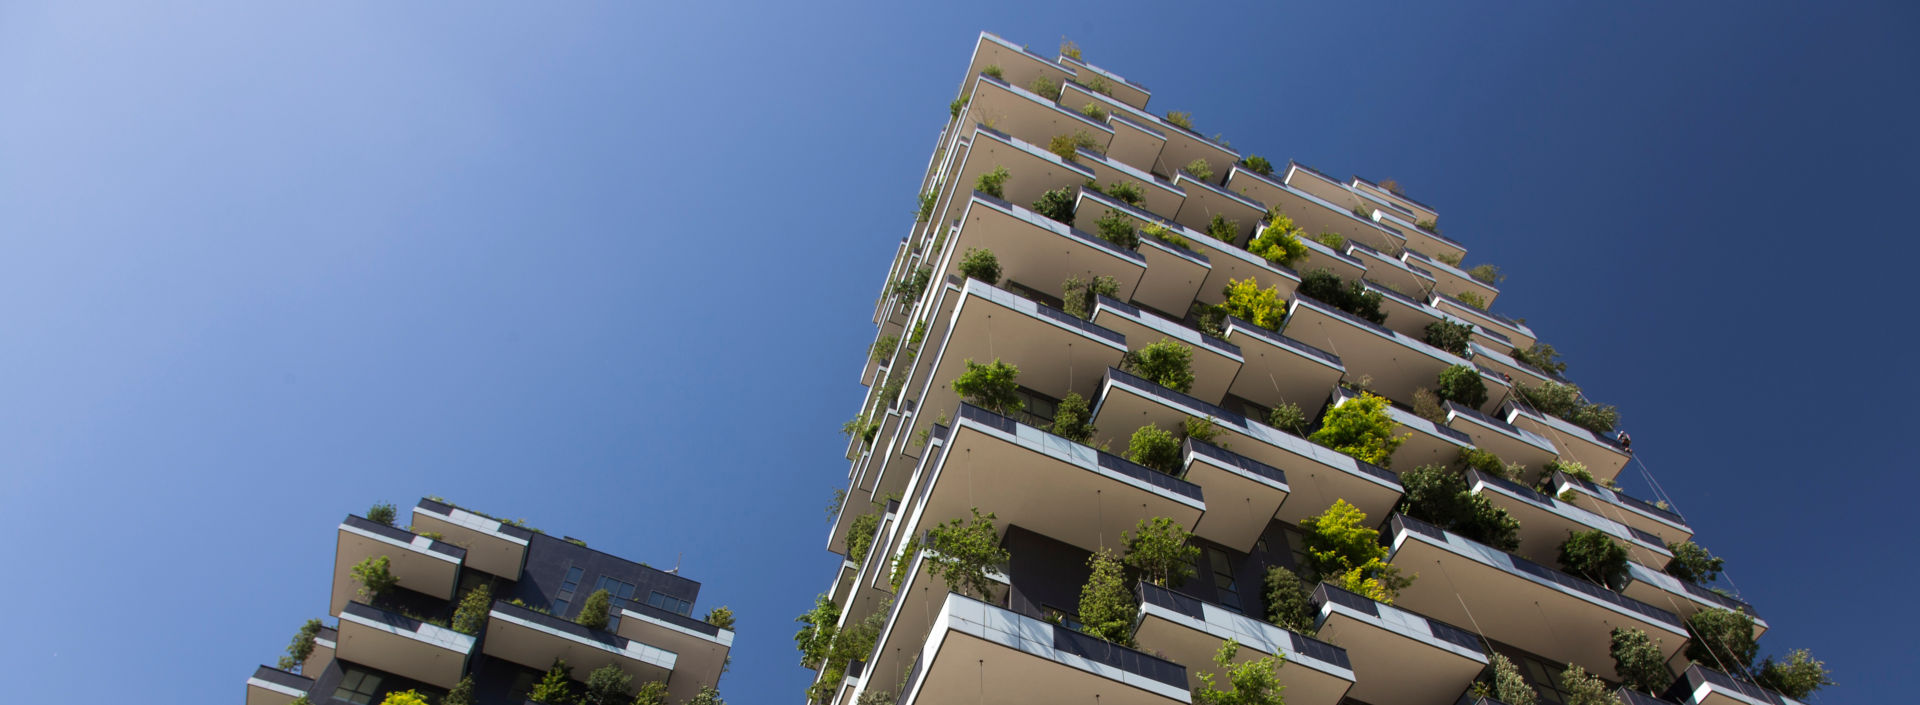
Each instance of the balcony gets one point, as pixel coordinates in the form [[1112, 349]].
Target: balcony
[[1545, 522], [700, 648], [1514, 371], [1147, 141], [1700, 685], [1311, 186], [1031, 169], [1336, 260], [1602, 456], [1512, 443], [1406, 315], [1425, 442], [1449, 280], [534, 639], [1316, 475], [1632, 511], [1215, 362], [921, 597], [1277, 369], [1389, 272], [272, 686], [1228, 476], [1205, 199], [1647, 584], [1418, 210], [492, 546], [403, 646], [1038, 251], [1516, 333], [976, 652], [1312, 213], [1399, 658], [1121, 89], [423, 565], [1160, 196], [1188, 631], [1019, 65], [323, 648], [1398, 364], [1033, 118], [1174, 276], [1513, 600]]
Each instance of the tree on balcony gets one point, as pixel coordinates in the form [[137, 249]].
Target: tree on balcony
[[964, 552], [708, 695], [1438, 495], [1258, 165], [1462, 385], [1636, 657], [1427, 405], [1107, 609], [1155, 448], [1288, 417], [651, 693], [1046, 87], [1566, 402], [1077, 295], [1164, 235], [980, 264], [1487, 274], [910, 288], [721, 617], [1067, 147], [854, 643], [1289, 601], [374, 577], [608, 685], [1130, 192], [1222, 228], [471, 614], [1056, 204], [1361, 428], [927, 200], [1471, 299], [381, 513], [404, 697], [1486, 461], [860, 535], [1166, 363], [817, 629], [1073, 418], [1161, 550], [993, 183], [1246, 301], [1253, 682], [1597, 557], [301, 647], [1540, 356], [1798, 677], [1205, 430], [1279, 243], [556, 687], [1583, 688], [1693, 563], [593, 612], [1508, 685], [993, 387], [1722, 639], [1117, 228], [1350, 296], [461, 694], [1449, 336], [1342, 548]]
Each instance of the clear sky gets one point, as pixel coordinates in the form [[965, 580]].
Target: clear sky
[[610, 267]]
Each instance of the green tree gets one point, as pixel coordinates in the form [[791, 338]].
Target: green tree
[[1180, 119], [1721, 639], [1487, 274], [608, 685], [1427, 405], [1361, 428], [1056, 204], [721, 617], [1073, 418], [1279, 243], [1461, 384], [1508, 685], [1246, 301], [1166, 363], [1046, 87], [1693, 563], [1223, 228], [471, 614], [1289, 601], [708, 695], [1595, 556], [1564, 401], [593, 612], [818, 626], [994, 387], [1254, 682], [1155, 448], [1636, 657], [301, 647], [1540, 356], [381, 513], [1797, 678], [404, 697], [1067, 147], [462, 693], [374, 577], [1200, 169], [1259, 165], [860, 536], [1439, 496], [1471, 299], [1117, 228], [964, 552], [980, 264], [1288, 417], [1340, 546], [927, 201], [1582, 688], [1352, 297], [652, 693], [556, 687], [993, 183], [1159, 549], [1449, 336], [910, 288], [1205, 430], [1106, 601], [1129, 191], [1077, 295]]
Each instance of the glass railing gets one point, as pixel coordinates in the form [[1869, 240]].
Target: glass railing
[[1282, 341], [1698, 674], [1105, 461], [1516, 564], [1195, 608], [1327, 592], [1139, 384], [404, 536], [1236, 460], [675, 618], [1623, 498], [1516, 489], [284, 679], [1135, 312]]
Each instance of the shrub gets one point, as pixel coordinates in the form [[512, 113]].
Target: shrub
[[708, 695], [1222, 228], [1362, 429], [471, 614], [994, 71], [1046, 87], [1508, 685], [954, 108], [593, 612], [1077, 295], [1427, 405], [980, 264], [404, 697], [1067, 146], [1072, 418], [301, 647], [608, 685], [1289, 601], [1363, 212], [1253, 682], [1539, 355], [1461, 384], [882, 349], [1056, 204], [1693, 563], [1449, 336], [927, 201], [381, 513], [1179, 119], [1471, 299], [1200, 169], [1429, 225], [1155, 448], [1564, 401], [1099, 85], [652, 693], [1107, 609], [993, 183], [462, 693], [556, 687], [374, 577], [1487, 274], [1069, 49], [1094, 112], [1797, 678], [860, 536], [1340, 546], [993, 387], [1259, 165], [1117, 228], [1482, 460], [1203, 430], [964, 553], [1159, 549], [1161, 233], [906, 290], [1595, 556], [1166, 363], [1582, 688], [1129, 191], [1438, 495], [903, 562], [1333, 240], [1352, 297], [1288, 417], [1246, 301], [1722, 639], [1279, 243], [1636, 657], [818, 627]]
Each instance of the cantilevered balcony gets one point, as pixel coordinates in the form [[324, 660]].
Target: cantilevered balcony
[[1390, 272], [1038, 251], [1602, 455], [1215, 362], [1448, 279], [421, 564], [1279, 370], [1399, 364], [1146, 140], [1517, 334], [914, 615], [1399, 657], [700, 648], [1017, 64], [1118, 88], [1311, 186], [1626, 509], [1415, 209], [1158, 195], [534, 639], [1316, 475], [1545, 523], [1247, 492], [402, 645], [1424, 442], [1516, 372], [1174, 276], [1513, 600], [322, 654], [1033, 118], [492, 546], [1429, 244], [1188, 631], [1406, 315], [1205, 200], [1031, 169], [1700, 685], [272, 686], [1512, 443], [1333, 259], [1648, 584], [1309, 212]]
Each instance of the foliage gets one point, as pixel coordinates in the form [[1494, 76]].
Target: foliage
[[471, 614], [593, 612], [1361, 428], [1487, 274], [1508, 685], [1066, 146], [1437, 495], [1222, 228], [1449, 336], [556, 687], [1077, 295], [1117, 228], [1129, 191], [818, 626], [927, 201], [1333, 240], [1797, 678], [1073, 418], [1069, 49], [1253, 683], [1046, 87], [608, 685], [883, 348], [1362, 212], [993, 183], [404, 697], [1279, 243], [904, 562], [994, 71], [1353, 297], [381, 513], [860, 536], [1427, 405], [374, 576], [1056, 204], [1107, 609], [1288, 417], [1259, 165], [1156, 448], [980, 264], [1461, 384], [1340, 546], [1166, 363], [1471, 299], [993, 387], [1289, 601], [964, 553], [652, 693], [1094, 112], [1541, 356], [860, 425], [1565, 401], [462, 693], [1099, 85], [1636, 657], [1161, 233], [1159, 549], [1180, 119], [721, 617], [1722, 639], [1582, 688], [1392, 187], [1246, 301], [954, 108], [1431, 226], [1595, 556], [1203, 430], [910, 288], [1482, 460], [1200, 168], [708, 695], [301, 647], [1692, 563]]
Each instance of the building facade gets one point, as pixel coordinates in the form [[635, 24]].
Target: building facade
[[1092, 246], [495, 604]]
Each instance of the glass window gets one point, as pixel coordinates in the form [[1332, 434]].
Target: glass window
[[573, 580], [559, 607], [357, 687], [670, 603], [618, 588], [1223, 584]]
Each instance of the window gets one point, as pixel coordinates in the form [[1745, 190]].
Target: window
[[670, 603], [573, 580], [616, 588], [559, 608], [1542, 675], [1297, 547], [1061, 617], [357, 687], [1223, 584]]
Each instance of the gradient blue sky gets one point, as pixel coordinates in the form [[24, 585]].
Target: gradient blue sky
[[609, 266]]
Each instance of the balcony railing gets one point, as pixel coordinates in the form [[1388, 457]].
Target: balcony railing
[[1624, 498], [1698, 675], [1236, 460], [1106, 461], [1327, 592], [1102, 651], [674, 618], [1194, 607], [1283, 341], [1557, 578], [1134, 311]]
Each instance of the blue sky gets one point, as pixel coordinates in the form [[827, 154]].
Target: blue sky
[[609, 267]]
